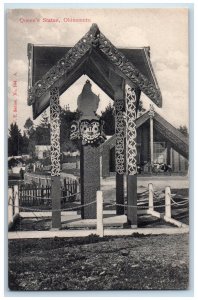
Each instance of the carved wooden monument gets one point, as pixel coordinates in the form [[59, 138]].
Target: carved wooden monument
[[89, 130], [122, 74]]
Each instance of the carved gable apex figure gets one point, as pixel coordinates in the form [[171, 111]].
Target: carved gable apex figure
[[88, 103]]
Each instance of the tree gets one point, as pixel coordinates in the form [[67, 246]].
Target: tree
[[141, 109], [15, 141], [28, 126], [184, 130], [66, 118], [108, 118], [44, 122], [25, 144]]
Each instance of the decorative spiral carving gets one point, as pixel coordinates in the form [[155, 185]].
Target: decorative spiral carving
[[119, 130], [55, 131], [131, 151]]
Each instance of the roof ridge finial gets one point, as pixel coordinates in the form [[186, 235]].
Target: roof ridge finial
[[94, 29], [151, 111]]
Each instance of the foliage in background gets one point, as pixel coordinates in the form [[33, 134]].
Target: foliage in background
[[15, 141], [40, 135], [108, 118]]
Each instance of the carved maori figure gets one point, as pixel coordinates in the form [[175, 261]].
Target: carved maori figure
[[89, 126]]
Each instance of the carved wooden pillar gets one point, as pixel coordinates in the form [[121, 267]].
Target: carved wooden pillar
[[119, 151], [131, 154], [151, 114], [105, 161], [90, 179], [55, 157]]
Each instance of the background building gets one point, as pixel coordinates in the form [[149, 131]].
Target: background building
[[158, 143]]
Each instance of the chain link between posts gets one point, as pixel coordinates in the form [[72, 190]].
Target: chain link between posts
[[182, 203]]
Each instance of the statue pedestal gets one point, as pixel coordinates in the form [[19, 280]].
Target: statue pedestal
[[90, 179]]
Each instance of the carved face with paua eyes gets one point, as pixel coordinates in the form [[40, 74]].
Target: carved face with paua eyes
[[90, 130]]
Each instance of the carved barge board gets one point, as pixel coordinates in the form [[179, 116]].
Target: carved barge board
[[92, 42]]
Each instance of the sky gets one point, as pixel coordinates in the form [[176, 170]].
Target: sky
[[164, 30]]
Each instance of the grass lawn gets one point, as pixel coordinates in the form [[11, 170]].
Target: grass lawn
[[111, 263]]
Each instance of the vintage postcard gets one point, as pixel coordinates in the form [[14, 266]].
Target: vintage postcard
[[98, 149]]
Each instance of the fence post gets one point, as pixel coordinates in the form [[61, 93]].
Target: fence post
[[99, 198], [10, 213], [42, 196], [150, 188], [16, 200], [168, 202]]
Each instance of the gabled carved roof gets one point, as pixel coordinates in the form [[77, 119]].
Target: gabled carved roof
[[77, 56]]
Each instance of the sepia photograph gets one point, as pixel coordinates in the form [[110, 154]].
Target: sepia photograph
[[98, 149]]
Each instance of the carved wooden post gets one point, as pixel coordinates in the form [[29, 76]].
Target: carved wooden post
[[10, 207], [151, 114], [55, 157], [168, 202], [90, 179], [105, 161], [100, 230], [89, 130], [16, 199], [151, 204], [131, 154], [119, 151]]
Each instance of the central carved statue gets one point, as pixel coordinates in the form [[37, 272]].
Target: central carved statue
[[89, 126]]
